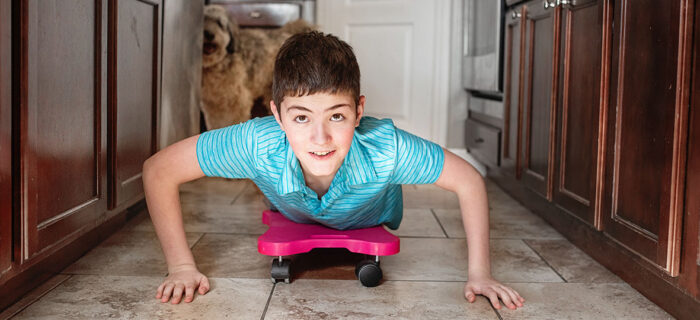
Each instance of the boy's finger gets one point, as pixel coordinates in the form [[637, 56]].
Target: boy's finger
[[166, 292], [505, 297], [493, 296], [513, 296], [159, 293], [469, 294], [520, 298], [189, 293], [203, 285], [177, 293]]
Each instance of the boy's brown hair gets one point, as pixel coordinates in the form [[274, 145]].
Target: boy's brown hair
[[313, 62]]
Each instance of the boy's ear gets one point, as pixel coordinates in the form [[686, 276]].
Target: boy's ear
[[360, 110], [273, 108]]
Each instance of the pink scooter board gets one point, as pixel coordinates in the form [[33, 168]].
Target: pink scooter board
[[285, 237]]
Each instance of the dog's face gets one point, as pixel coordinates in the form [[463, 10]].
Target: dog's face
[[218, 35]]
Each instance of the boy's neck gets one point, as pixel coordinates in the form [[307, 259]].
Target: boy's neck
[[320, 185]]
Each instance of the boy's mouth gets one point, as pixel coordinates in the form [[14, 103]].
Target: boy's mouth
[[321, 155]]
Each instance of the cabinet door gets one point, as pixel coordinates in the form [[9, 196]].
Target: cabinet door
[[5, 137], [60, 120], [579, 101], [133, 93], [513, 91], [647, 128], [539, 98]]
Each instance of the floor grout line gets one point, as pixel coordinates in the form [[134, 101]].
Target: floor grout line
[[439, 223], [545, 261], [269, 298], [240, 194], [498, 314]]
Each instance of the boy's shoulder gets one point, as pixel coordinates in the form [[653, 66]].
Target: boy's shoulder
[[265, 122], [377, 137], [372, 125], [268, 135]]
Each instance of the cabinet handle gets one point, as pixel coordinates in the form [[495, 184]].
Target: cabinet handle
[[479, 140], [566, 3]]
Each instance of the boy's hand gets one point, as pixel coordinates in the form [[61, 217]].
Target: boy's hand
[[493, 290], [182, 278]]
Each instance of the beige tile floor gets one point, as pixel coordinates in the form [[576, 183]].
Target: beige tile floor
[[118, 278]]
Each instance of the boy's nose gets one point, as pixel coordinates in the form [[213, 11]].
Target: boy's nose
[[320, 135]]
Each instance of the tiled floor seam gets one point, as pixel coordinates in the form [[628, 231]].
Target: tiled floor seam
[[545, 260], [498, 314], [239, 195], [37, 298], [269, 298], [439, 223]]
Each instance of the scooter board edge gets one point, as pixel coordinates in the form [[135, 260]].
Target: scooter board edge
[[285, 237]]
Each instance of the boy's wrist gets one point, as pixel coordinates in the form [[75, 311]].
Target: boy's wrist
[[479, 274], [181, 267]]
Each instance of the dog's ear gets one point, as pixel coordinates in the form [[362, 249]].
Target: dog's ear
[[232, 34], [230, 48]]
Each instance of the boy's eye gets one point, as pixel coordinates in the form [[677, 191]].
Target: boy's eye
[[337, 117], [301, 119]]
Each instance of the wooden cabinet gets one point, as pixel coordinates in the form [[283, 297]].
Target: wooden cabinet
[[539, 96], [647, 130], [78, 112], [61, 122], [578, 103], [513, 91], [603, 91], [133, 93], [552, 98], [5, 137]]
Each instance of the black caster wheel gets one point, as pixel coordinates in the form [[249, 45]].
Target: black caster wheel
[[369, 273], [280, 271]]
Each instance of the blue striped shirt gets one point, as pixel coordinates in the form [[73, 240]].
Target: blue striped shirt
[[366, 190]]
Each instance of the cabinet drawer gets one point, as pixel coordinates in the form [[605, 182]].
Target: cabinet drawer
[[484, 142]]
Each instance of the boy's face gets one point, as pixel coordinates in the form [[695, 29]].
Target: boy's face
[[319, 128]]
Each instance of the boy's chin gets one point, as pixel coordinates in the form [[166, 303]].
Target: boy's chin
[[323, 173]]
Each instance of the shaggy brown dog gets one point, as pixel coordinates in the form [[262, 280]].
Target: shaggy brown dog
[[237, 66]]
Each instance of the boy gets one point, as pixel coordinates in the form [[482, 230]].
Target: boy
[[317, 161]]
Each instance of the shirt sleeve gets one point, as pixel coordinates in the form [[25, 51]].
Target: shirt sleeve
[[228, 152], [418, 161]]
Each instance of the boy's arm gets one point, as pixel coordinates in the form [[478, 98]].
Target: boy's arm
[[162, 175], [460, 177]]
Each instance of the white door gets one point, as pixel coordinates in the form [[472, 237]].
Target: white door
[[402, 47]]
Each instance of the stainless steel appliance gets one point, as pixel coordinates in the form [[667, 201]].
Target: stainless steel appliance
[[482, 57], [482, 76], [268, 13]]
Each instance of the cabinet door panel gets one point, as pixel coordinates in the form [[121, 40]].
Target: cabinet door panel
[[513, 91], [60, 118], [646, 128], [577, 136], [133, 91], [539, 107], [5, 137]]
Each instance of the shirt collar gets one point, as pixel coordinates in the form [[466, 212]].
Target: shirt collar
[[292, 178], [356, 169]]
